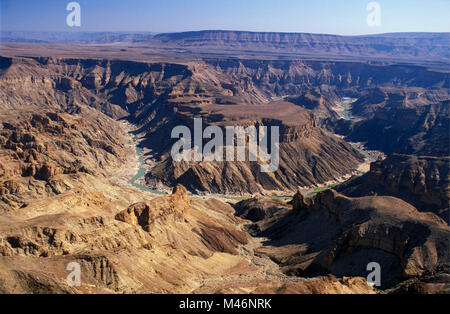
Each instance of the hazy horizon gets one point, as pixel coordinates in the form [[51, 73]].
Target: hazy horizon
[[287, 16], [207, 30]]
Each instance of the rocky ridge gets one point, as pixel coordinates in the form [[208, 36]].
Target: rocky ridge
[[170, 244], [341, 235]]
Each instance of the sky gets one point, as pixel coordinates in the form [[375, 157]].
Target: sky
[[343, 17]]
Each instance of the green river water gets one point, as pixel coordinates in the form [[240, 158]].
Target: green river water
[[346, 103], [141, 173]]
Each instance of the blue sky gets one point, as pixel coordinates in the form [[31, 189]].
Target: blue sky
[[346, 17]]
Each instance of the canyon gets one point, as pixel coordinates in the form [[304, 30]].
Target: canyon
[[87, 176], [404, 47]]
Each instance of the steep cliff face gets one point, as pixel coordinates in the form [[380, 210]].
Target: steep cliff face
[[421, 181], [341, 235], [170, 244], [116, 253], [374, 99], [134, 86], [109, 86], [420, 130], [407, 47], [294, 77], [319, 157], [47, 153], [157, 97], [168, 220], [412, 46]]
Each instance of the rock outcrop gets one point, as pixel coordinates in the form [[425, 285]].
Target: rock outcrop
[[145, 215], [339, 235], [166, 218], [47, 153], [157, 97], [189, 245], [419, 180], [259, 208], [417, 130]]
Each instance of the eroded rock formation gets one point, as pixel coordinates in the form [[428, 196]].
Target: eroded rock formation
[[420, 180], [341, 235]]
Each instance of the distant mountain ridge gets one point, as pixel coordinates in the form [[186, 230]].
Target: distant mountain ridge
[[395, 46], [425, 47], [74, 37], [273, 36]]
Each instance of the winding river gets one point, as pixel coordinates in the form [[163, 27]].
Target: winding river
[[141, 172], [346, 104]]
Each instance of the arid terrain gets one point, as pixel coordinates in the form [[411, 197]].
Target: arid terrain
[[87, 176]]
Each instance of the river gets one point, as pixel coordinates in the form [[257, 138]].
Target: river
[[346, 104], [346, 109], [141, 172]]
